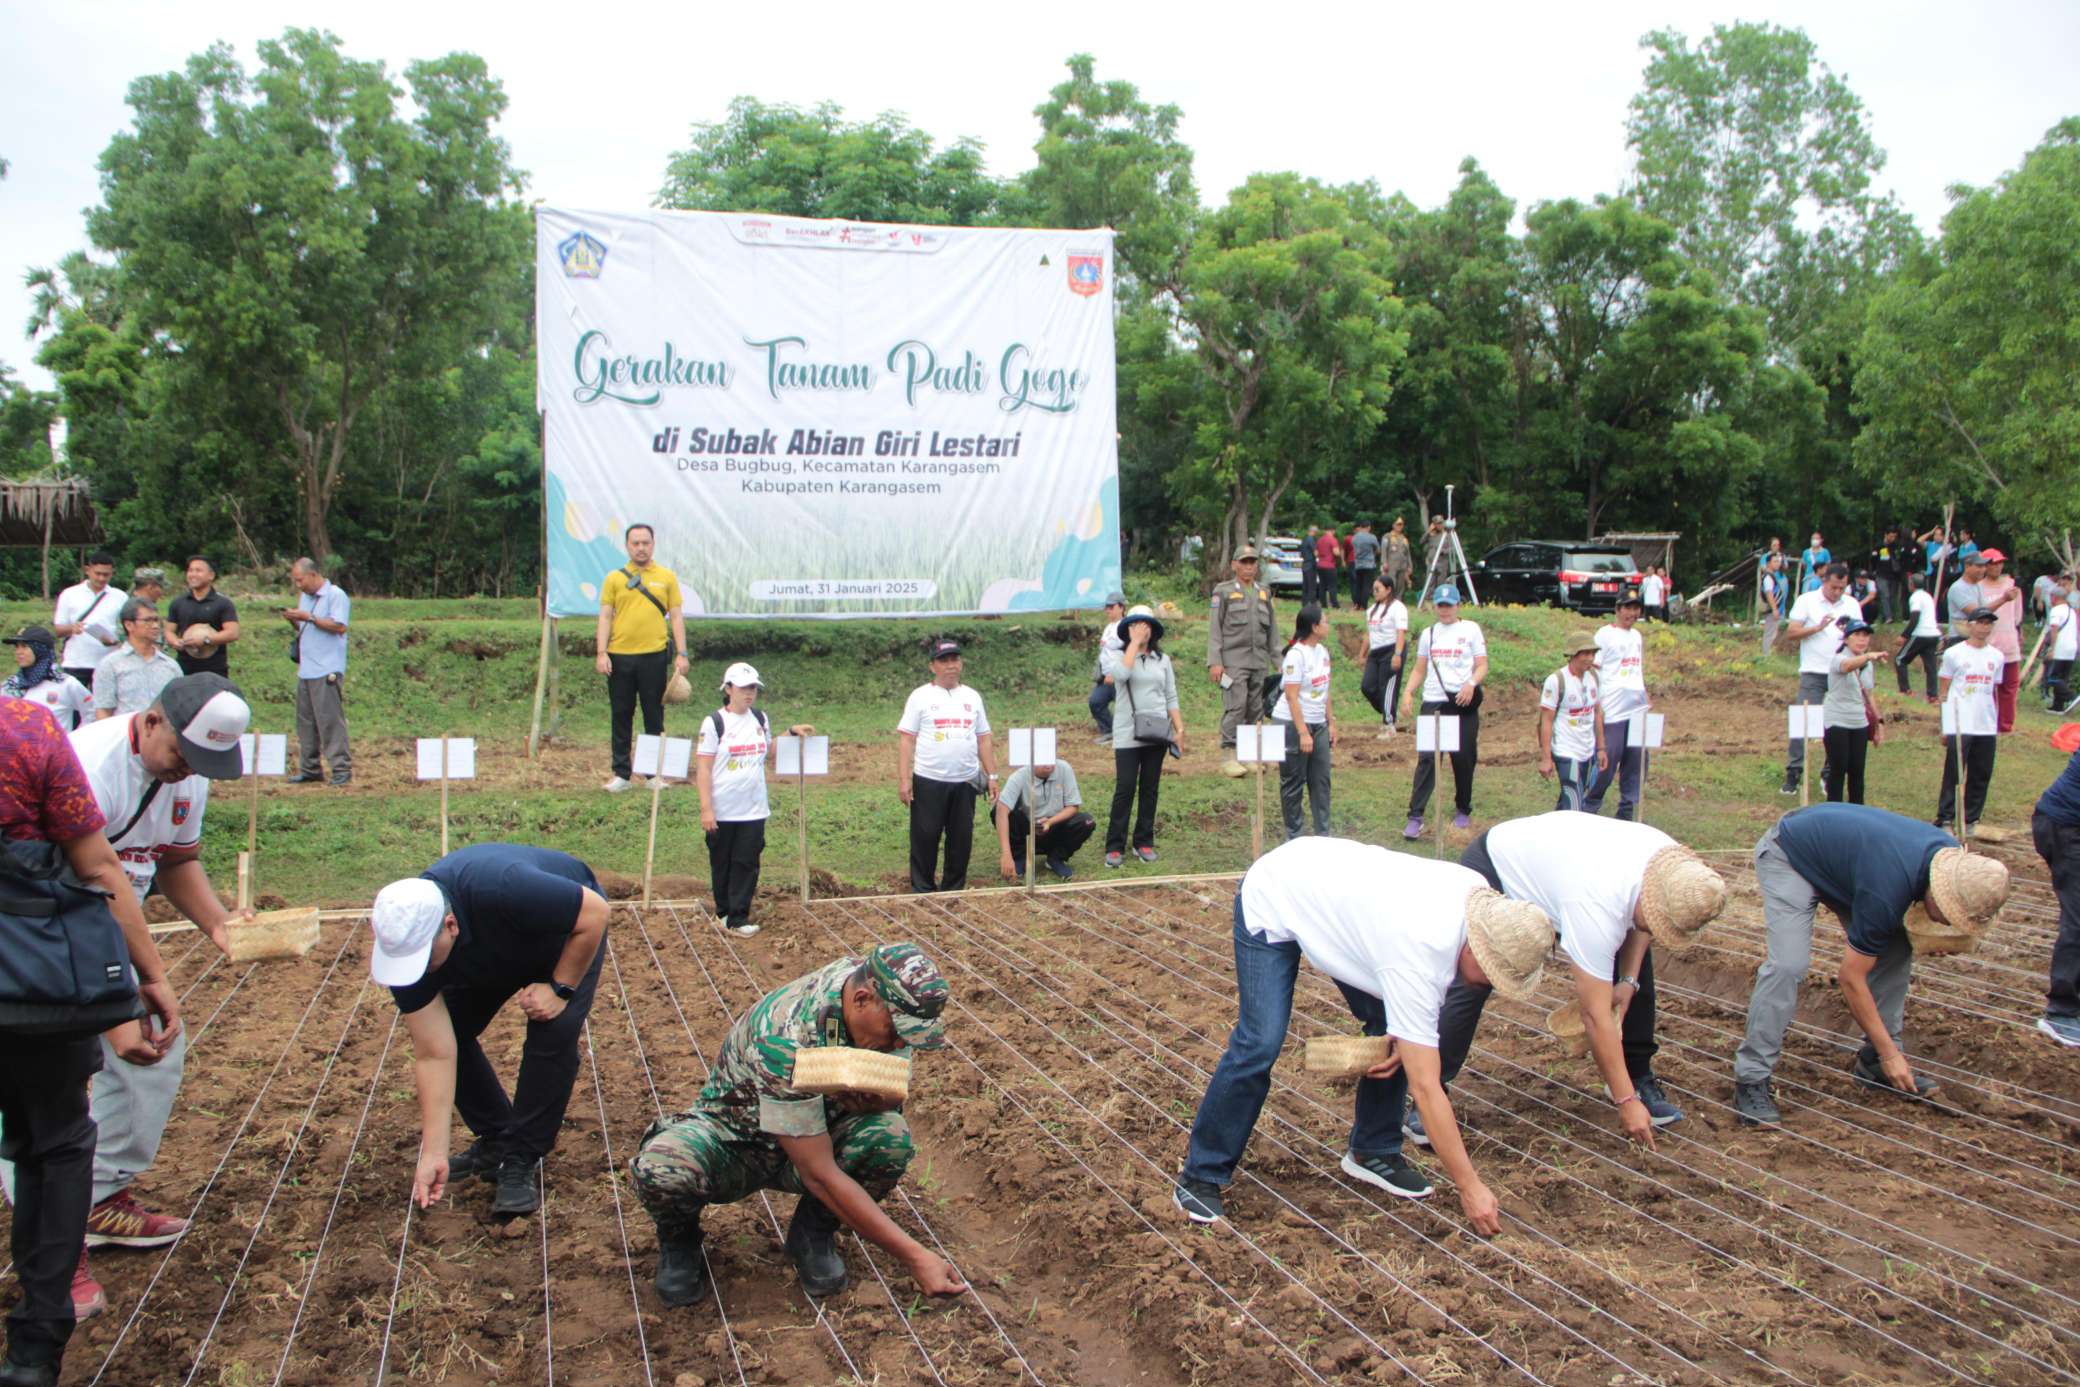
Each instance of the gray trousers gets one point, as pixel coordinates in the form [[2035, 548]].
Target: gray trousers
[[1770, 622], [131, 1106], [1788, 903], [321, 725], [1812, 688], [1242, 701], [1308, 771]]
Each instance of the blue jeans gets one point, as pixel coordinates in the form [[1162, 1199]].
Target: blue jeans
[[1575, 778], [1101, 705], [1264, 977]]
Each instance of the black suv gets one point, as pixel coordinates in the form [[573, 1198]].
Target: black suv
[[1578, 575]]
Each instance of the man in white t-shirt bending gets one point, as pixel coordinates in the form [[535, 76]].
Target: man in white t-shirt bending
[[151, 773], [1393, 931], [1818, 619], [943, 754], [1570, 724], [1622, 684], [1612, 889]]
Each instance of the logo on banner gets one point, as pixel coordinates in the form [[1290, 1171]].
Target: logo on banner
[[583, 255], [1086, 273]]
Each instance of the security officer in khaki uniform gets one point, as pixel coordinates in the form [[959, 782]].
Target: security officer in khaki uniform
[[1240, 642]]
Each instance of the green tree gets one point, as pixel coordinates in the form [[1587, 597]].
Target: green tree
[[26, 417], [814, 163], [293, 244], [1966, 373]]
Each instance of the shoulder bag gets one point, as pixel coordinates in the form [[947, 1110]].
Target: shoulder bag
[[1153, 728]]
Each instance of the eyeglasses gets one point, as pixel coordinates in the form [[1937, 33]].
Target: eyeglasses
[[145, 620]]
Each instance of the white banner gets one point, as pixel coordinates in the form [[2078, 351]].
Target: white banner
[[828, 418]]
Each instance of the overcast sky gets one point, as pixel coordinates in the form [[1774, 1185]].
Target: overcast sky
[[602, 94]]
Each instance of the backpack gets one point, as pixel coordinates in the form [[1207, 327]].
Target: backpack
[[715, 720], [64, 967]]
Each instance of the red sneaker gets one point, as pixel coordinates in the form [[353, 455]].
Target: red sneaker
[[88, 1299], [120, 1221]]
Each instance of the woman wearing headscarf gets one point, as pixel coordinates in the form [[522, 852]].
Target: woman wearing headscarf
[[1146, 704], [38, 678]]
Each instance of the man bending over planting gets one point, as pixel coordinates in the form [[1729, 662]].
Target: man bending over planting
[[1393, 932], [453, 945], [1874, 869], [1613, 888], [751, 1129]]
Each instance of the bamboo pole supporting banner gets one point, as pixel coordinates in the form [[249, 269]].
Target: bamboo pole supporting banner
[[650, 850], [541, 684]]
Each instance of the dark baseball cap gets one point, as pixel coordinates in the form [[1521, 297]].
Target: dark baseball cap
[[32, 634], [1982, 614], [209, 715], [944, 647], [909, 982], [1854, 626], [1632, 599]]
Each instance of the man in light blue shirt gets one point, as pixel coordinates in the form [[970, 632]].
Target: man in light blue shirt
[[319, 620]]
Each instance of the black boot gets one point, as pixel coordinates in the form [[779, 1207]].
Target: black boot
[[518, 1192], [682, 1272], [812, 1244]]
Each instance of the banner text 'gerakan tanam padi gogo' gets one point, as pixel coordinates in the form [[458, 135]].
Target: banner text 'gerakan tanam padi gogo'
[[828, 418]]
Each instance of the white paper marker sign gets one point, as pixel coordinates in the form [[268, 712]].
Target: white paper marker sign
[[1804, 722], [462, 758], [274, 754], [676, 751], [1032, 746], [1949, 719], [1437, 734], [801, 756], [1646, 730], [1264, 743]]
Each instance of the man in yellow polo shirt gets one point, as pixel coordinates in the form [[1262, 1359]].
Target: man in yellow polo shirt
[[635, 603]]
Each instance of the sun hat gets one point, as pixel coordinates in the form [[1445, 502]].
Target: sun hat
[[742, 675], [680, 690], [1581, 643], [1445, 596], [1141, 611], [406, 916], [1967, 888], [208, 717], [1510, 940], [1678, 896]]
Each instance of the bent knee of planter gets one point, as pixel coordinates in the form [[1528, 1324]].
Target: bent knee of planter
[[875, 1151]]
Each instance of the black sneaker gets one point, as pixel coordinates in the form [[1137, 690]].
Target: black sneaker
[[302, 779], [341, 781], [1412, 1128], [1870, 1076], [1391, 1173], [477, 1159], [13, 1374], [1753, 1105], [1659, 1109], [1060, 868], [1790, 785], [1200, 1201], [518, 1192]]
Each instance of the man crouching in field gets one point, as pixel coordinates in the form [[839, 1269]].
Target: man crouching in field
[[752, 1130], [1393, 932]]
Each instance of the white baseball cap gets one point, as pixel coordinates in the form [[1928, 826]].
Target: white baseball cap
[[406, 917], [209, 717], [741, 675]]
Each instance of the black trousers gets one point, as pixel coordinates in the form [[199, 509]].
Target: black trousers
[[1137, 773], [2058, 692], [2059, 845], [1978, 776], [524, 1126], [1463, 1001], [1842, 777], [636, 678], [1381, 683], [1464, 760], [1361, 585], [1925, 649], [1060, 842], [940, 809], [1310, 584], [46, 1131], [733, 852]]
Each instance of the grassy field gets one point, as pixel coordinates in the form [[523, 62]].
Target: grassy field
[[420, 668]]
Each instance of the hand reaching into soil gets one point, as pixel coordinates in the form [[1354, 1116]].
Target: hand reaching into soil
[[1637, 1122], [935, 1276], [1481, 1209], [430, 1180], [1899, 1073]]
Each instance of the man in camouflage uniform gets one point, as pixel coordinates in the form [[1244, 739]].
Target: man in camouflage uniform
[[1240, 643], [750, 1130]]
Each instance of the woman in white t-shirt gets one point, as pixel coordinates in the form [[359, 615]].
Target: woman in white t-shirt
[[1451, 665], [730, 771], [1923, 638], [2062, 642], [944, 763], [1971, 674], [1303, 706], [38, 678], [1386, 643]]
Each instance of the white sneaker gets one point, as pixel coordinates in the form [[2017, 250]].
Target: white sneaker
[[743, 931], [1386, 735], [615, 785]]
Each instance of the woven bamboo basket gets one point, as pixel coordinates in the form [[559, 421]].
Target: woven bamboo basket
[[1928, 937], [274, 934], [1987, 833], [845, 1069], [1566, 1025], [1345, 1056]]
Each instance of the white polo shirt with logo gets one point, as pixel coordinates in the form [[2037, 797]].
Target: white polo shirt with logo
[[946, 724], [1573, 703], [739, 777], [145, 818]]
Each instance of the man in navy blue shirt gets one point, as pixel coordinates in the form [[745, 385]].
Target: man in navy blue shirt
[[1870, 867], [2055, 827], [453, 946]]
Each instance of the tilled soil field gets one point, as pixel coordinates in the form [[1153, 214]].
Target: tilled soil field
[[1869, 1240]]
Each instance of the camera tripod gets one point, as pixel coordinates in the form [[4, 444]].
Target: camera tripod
[[1449, 557]]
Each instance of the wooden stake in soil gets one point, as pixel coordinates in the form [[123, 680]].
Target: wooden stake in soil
[[263, 754], [541, 683], [444, 794], [445, 758], [660, 758], [1443, 736], [2022, 680], [802, 757]]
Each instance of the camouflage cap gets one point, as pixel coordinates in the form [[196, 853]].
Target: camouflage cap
[[916, 995]]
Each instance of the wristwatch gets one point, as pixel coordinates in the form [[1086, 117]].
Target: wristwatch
[[563, 991], [1630, 982]]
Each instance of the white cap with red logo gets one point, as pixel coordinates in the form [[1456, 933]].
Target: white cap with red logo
[[209, 716]]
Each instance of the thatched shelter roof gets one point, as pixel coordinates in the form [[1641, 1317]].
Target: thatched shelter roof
[[54, 510]]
